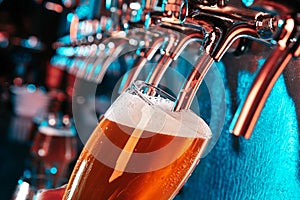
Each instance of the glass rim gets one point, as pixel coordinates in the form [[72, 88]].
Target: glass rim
[[139, 84]]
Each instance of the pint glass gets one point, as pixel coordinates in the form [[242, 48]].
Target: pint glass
[[140, 149], [52, 150]]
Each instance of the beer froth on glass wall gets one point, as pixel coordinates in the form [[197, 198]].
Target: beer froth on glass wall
[[140, 149]]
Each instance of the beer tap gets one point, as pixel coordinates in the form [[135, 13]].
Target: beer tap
[[93, 64], [174, 15], [287, 47], [281, 31], [109, 20], [87, 36], [115, 48], [136, 40], [166, 38], [217, 25], [222, 28]]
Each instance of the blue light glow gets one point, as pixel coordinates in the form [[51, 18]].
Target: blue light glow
[[280, 23], [107, 4], [20, 181], [261, 61], [82, 11], [65, 39], [44, 123], [31, 88], [80, 64], [27, 173], [124, 79], [65, 51], [108, 24], [89, 68], [248, 2], [53, 170], [147, 21], [97, 69], [70, 17]]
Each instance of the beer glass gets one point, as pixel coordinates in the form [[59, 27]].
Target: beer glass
[[52, 150], [140, 149]]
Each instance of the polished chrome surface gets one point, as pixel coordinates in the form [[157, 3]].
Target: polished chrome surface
[[168, 27]]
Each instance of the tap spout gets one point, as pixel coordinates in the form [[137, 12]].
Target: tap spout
[[216, 44], [248, 112], [142, 61], [191, 86], [163, 64]]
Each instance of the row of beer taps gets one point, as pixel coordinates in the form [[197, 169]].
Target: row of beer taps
[[166, 27]]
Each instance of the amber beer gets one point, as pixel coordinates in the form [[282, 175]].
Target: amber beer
[[52, 148], [138, 151]]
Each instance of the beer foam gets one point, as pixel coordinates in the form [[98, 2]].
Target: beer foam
[[130, 110], [47, 130]]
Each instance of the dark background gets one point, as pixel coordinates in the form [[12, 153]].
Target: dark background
[[20, 20]]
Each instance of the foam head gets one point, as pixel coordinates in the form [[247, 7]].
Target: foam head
[[130, 110]]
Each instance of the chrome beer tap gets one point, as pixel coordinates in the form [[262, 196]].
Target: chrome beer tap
[[222, 25], [279, 30], [287, 47], [217, 25], [165, 41], [148, 39], [84, 56], [86, 39], [174, 15]]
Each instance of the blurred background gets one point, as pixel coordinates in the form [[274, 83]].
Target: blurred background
[[28, 29]]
